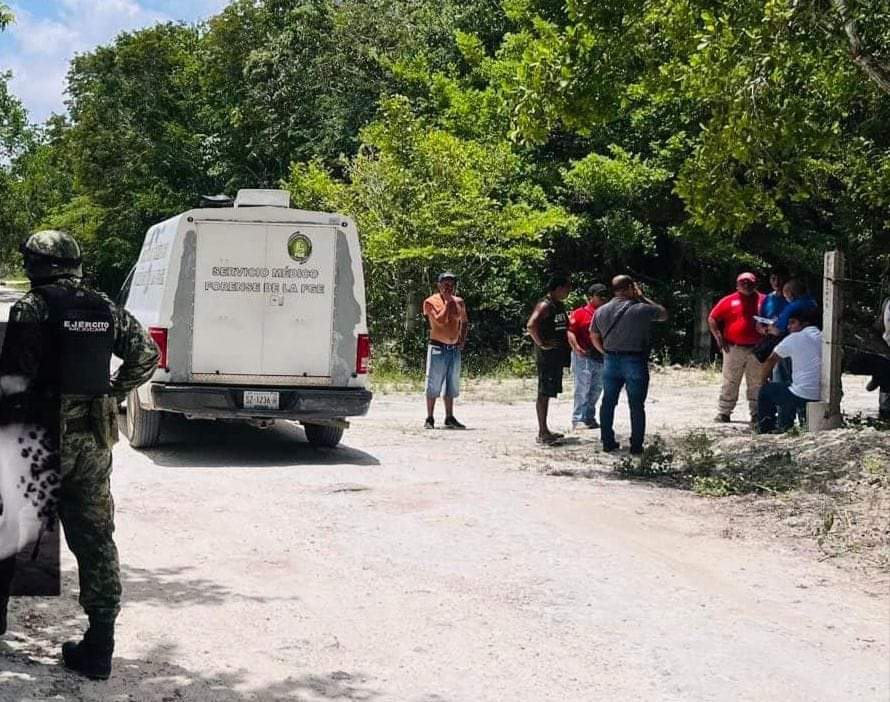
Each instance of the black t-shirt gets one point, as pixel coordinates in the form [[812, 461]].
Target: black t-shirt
[[553, 329], [555, 323]]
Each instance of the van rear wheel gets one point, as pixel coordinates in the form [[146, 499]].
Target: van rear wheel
[[143, 426], [323, 435]]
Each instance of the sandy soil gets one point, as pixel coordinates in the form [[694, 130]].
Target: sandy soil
[[440, 566]]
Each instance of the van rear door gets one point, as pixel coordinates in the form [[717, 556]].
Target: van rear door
[[263, 309]]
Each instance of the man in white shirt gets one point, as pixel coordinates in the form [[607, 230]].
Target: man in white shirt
[[803, 346]]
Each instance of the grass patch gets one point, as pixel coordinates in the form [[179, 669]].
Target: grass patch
[[391, 374], [692, 463]]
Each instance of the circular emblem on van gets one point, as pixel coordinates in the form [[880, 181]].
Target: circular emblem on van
[[299, 247]]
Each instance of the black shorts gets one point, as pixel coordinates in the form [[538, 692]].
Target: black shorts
[[550, 365]]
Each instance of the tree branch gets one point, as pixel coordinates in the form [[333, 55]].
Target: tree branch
[[875, 70]]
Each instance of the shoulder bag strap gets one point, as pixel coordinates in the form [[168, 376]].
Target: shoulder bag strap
[[618, 318]]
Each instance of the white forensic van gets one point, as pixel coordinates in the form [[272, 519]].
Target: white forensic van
[[259, 312]]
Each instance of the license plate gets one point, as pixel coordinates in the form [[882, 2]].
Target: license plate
[[260, 400]]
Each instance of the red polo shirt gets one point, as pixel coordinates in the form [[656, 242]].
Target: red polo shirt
[[579, 324], [736, 314]]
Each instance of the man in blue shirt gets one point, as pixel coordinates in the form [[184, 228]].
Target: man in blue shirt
[[795, 292], [797, 300], [775, 303]]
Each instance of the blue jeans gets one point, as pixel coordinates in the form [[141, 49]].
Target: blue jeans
[[588, 374], [442, 371], [631, 372], [776, 397]]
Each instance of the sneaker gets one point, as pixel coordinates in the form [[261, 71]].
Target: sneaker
[[452, 423], [593, 424], [609, 448], [430, 423], [722, 418]]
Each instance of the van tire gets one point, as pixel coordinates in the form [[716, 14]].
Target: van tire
[[323, 435], [143, 426]]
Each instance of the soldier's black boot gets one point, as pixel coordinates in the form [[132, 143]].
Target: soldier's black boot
[[92, 656]]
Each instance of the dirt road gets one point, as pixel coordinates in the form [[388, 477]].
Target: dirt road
[[443, 566]]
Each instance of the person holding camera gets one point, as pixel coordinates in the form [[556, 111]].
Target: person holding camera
[[621, 331]]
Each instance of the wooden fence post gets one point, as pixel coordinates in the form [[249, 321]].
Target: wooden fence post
[[827, 413]]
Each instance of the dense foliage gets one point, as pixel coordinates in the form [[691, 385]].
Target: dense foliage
[[677, 139]]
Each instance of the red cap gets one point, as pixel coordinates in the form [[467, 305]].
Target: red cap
[[750, 277]]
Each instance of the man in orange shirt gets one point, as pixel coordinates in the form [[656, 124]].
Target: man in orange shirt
[[447, 316]]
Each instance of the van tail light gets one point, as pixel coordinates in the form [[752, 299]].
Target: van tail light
[[363, 354], [159, 336]]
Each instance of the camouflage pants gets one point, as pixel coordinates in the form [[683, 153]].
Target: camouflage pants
[[86, 510]]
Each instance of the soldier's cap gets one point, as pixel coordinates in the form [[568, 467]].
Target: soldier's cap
[[447, 275], [597, 289]]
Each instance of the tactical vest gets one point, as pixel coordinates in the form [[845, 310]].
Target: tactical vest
[[80, 335]]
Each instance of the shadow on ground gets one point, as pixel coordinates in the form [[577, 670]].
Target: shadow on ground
[[207, 444], [156, 678], [30, 668], [172, 587]]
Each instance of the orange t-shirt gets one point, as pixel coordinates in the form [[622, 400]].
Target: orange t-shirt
[[448, 331]]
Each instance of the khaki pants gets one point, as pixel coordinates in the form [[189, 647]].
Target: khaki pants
[[738, 361]]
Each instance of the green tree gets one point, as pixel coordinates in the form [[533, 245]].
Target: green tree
[[756, 108], [138, 148], [426, 200], [6, 16]]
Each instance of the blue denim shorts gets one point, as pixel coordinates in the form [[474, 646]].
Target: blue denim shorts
[[442, 371]]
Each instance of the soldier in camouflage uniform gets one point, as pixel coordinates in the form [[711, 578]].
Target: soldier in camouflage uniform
[[85, 424]]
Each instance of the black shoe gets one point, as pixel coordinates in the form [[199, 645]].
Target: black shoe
[[452, 423], [3, 622], [636, 451], [593, 424], [609, 448], [92, 656], [430, 423]]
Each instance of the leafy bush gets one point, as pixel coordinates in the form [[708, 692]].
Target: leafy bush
[[657, 460], [692, 463]]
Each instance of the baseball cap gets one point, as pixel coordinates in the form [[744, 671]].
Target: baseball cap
[[445, 276], [750, 277], [597, 289]]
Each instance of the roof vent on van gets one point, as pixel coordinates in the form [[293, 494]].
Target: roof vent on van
[[262, 198], [216, 201]]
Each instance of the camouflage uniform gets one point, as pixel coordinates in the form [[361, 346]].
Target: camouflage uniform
[[86, 508]]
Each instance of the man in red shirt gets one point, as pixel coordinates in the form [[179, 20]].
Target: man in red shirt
[[733, 326], [587, 362]]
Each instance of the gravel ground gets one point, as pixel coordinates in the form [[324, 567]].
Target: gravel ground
[[434, 566]]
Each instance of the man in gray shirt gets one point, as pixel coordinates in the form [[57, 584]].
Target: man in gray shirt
[[620, 331]]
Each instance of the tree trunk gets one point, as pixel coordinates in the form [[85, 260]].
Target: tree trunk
[[875, 70]]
